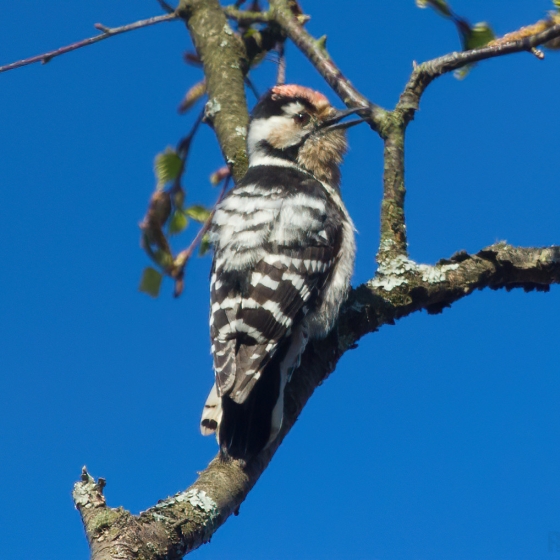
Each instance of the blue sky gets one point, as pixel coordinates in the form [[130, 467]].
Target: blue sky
[[438, 438]]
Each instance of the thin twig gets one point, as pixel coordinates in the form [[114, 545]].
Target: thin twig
[[183, 148], [185, 143], [160, 207], [281, 74], [183, 257], [252, 87], [107, 32], [426, 72], [166, 7]]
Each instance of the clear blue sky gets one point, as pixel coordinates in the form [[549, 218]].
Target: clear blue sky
[[438, 438]]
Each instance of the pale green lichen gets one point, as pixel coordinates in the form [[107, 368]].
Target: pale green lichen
[[103, 520], [199, 499], [212, 108], [394, 273]]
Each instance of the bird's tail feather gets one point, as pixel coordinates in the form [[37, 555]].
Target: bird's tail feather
[[246, 428], [211, 413]]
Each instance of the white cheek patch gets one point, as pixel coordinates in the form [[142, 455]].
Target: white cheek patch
[[261, 129], [279, 131]]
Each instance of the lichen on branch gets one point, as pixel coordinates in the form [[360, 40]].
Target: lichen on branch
[[225, 62]]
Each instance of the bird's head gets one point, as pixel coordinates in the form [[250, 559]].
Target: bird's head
[[294, 124]]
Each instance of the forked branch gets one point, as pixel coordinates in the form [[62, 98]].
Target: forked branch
[[425, 73], [393, 242]]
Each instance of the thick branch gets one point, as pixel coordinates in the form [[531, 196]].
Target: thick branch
[[107, 32], [225, 63], [175, 526], [393, 228], [425, 73], [402, 286]]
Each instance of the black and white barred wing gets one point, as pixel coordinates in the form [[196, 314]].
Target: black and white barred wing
[[268, 269]]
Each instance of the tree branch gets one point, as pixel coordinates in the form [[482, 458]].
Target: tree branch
[[402, 286], [225, 64], [246, 16], [393, 242], [107, 32], [425, 73], [183, 522]]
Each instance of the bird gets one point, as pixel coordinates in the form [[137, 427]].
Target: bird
[[284, 252]]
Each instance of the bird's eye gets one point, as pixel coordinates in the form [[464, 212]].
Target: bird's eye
[[302, 118]]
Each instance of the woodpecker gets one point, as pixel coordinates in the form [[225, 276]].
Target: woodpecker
[[283, 256]]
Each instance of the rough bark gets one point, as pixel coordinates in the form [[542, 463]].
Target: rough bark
[[225, 62]]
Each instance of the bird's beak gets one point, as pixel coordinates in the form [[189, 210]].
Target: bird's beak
[[333, 123]]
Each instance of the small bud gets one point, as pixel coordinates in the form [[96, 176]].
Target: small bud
[[220, 175], [321, 42], [178, 197], [192, 58], [192, 96]]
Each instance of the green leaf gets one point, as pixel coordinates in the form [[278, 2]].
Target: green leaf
[[198, 213], [178, 198], [462, 73], [163, 258], [479, 35], [178, 222], [150, 282], [218, 176], [473, 38], [167, 166], [556, 4], [438, 5], [204, 245]]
